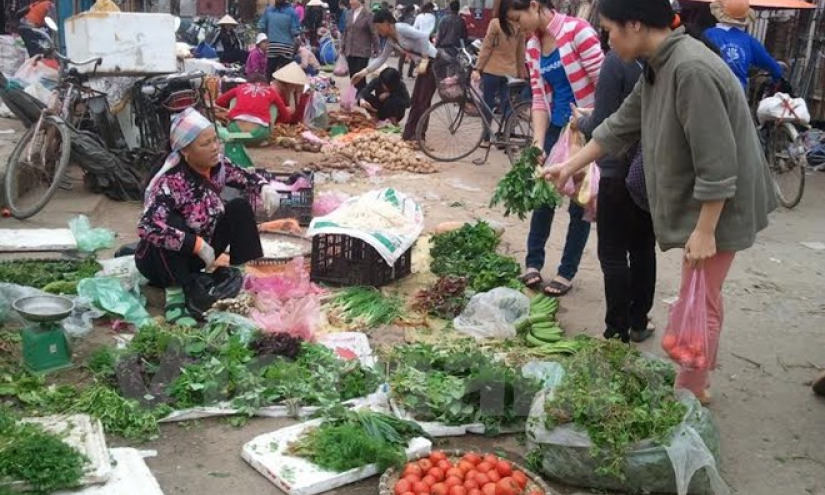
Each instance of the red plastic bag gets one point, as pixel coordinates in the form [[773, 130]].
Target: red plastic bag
[[349, 98], [686, 339]]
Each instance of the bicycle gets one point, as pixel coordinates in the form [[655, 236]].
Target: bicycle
[[784, 150], [458, 123], [43, 152]]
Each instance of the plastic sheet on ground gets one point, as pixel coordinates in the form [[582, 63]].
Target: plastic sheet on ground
[[108, 294], [130, 475], [298, 476], [336, 342], [493, 314], [391, 244], [686, 465]]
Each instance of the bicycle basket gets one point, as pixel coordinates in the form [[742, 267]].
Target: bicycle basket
[[181, 100], [452, 79]]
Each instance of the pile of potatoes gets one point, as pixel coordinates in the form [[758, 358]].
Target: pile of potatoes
[[387, 150]]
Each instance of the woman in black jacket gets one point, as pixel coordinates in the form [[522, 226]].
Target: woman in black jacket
[[386, 97]]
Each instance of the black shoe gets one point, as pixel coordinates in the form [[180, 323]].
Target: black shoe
[[612, 333], [643, 334]]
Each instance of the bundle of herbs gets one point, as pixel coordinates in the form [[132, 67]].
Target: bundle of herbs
[[457, 383], [522, 189], [33, 456], [350, 439], [445, 299], [52, 276], [619, 397], [471, 252], [366, 307]]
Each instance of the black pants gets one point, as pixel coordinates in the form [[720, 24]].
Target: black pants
[[356, 65], [627, 253], [401, 60], [391, 108], [30, 40], [275, 63], [237, 228], [422, 98]]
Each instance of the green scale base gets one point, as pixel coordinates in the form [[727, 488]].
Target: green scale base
[[45, 349]]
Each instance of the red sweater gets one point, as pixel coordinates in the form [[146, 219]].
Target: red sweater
[[254, 100]]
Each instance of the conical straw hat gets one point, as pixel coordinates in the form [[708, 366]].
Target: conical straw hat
[[291, 74], [227, 19]]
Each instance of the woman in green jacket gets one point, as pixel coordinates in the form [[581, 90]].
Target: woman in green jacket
[[707, 183]]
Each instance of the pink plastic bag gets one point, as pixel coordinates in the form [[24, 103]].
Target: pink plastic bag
[[296, 317], [686, 339], [328, 201], [348, 98], [588, 192], [293, 282], [583, 189], [341, 68]]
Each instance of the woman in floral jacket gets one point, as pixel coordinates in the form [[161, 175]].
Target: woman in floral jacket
[[185, 224]]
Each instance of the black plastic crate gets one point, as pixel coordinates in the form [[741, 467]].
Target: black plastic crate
[[298, 204], [342, 260]]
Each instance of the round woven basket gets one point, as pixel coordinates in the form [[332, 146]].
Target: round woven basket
[[392, 475], [306, 249]]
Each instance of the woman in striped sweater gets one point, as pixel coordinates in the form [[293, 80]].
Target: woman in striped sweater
[[564, 57]]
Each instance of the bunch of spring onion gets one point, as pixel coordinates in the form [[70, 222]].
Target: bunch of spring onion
[[366, 306]]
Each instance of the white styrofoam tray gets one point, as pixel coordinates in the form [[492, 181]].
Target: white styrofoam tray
[[437, 430], [86, 436], [25, 240], [297, 476], [130, 476], [355, 342]]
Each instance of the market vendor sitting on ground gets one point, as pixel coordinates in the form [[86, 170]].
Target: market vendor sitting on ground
[[250, 110], [185, 224], [290, 82], [256, 63], [227, 42], [386, 97]]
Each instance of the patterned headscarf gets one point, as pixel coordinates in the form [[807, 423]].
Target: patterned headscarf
[[185, 128]]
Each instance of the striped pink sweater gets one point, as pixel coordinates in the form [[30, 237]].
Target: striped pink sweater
[[581, 55]]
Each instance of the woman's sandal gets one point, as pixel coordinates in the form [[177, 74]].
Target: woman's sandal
[[534, 276], [558, 288], [705, 398]]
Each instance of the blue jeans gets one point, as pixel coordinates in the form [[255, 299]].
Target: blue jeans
[[495, 87], [542, 220]]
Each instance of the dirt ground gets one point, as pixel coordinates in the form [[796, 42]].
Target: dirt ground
[[772, 426]]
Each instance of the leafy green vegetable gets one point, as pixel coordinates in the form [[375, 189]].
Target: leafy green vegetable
[[619, 396], [119, 416], [40, 459], [445, 299], [54, 276], [367, 306], [471, 252], [521, 191]]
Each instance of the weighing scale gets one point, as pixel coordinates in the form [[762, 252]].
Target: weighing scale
[[45, 348]]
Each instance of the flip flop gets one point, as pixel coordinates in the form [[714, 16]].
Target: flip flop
[[535, 276], [559, 289]]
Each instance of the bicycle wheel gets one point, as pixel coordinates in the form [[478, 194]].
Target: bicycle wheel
[[518, 131], [787, 169], [448, 131], [36, 166]]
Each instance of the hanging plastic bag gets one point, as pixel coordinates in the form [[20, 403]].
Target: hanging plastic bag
[[686, 339], [588, 192], [88, 239], [315, 115], [35, 70], [341, 67], [349, 98], [493, 314]]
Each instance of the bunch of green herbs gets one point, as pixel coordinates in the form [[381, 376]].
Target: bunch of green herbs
[[470, 252], [458, 383], [53, 276], [40, 459], [367, 307], [619, 397], [522, 189]]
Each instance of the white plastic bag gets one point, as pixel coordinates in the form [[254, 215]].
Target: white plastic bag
[[12, 55], [341, 67], [34, 70], [492, 314], [315, 115], [782, 107]]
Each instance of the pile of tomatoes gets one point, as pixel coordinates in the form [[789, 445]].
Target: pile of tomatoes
[[473, 474], [689, 351]]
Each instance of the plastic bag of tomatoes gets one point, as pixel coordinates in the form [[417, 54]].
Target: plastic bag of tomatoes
[[687, 340], [455, 473]]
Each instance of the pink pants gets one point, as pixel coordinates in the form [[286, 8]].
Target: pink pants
[[716, 270]]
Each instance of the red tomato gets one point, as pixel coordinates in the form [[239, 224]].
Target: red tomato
[[412, 469], [470, 483], [409, 493], [429, 480], [475, 491], [438, 456], [536, 492], [412, 478], [700, 362], [439, 489], [425, 464], [491, 459], [466, 466], [458, 490], [420, 487], [504, 468], [668, 342], [453, 481], [472, 457], [484, 467], [520, 478], [482, 479], [444, 465], [507, 487], [402, 486], [436, 473], [493, 475], [458, 473], [489, 489]]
